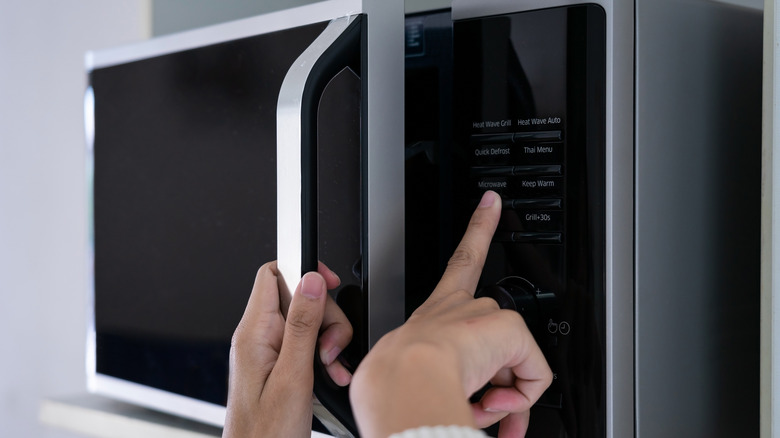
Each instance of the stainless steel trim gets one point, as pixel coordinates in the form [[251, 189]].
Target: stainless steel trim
[[620, 339], [89, 131], [770, 230], [288, 152], [328, 420], [416, 6], [308, 14], [161, 400], [697, 280], [385, 211], [288, 172]]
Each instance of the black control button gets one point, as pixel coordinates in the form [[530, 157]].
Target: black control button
[[537, 136], [531, 203], [499, 185], [534, 220], [503, 236], [539, 152], [537, 170], [516, 137], [527, 237], [517, 153], [539, 186], [506, 137], [496, 153], [521, 186], [493, 170], [516, 170]]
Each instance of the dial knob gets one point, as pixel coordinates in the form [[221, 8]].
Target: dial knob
[[520, 295]]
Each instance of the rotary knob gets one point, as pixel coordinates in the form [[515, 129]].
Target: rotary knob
[[520, 295]]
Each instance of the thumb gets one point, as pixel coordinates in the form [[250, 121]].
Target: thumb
[[301, 330]]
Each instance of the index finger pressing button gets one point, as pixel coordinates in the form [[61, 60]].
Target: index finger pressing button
[[465, 268]]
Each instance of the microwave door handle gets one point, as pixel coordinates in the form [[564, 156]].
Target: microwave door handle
[[337, 47]]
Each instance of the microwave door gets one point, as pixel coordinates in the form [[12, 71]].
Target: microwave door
[[340, 173], [318, 181], [182, 173]]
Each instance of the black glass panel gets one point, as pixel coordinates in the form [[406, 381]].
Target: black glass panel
[[184, 205], [530, 124], [428, 137]]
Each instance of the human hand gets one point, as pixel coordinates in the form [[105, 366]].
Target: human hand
[[272, 354], [422, 373]]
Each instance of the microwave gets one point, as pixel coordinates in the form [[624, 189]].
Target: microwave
[[624, 138]]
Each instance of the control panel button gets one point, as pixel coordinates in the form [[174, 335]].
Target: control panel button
[[500, 185], [527, 237], [542, 185], [493, 170], [532, 220], [538, 152], [506, 137], [490, 154], [521, 186], [531, 203], [516, 153], [538, 170], [516, 170], [517, 137], [537, 136]]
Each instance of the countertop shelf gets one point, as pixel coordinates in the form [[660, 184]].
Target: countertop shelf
[[96, 416]]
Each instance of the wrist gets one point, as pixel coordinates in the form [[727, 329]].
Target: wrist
[[400, 389]]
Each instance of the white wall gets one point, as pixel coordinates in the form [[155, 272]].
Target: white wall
[[43, 195], [170, 16]]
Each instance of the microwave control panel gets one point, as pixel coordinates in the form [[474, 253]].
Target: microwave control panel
[[530, 122]]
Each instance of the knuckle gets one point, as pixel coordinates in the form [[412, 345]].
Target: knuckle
[[235, 348], [462, 295], [548, 376], [339, 334], [268, 267], [239, 337], [239, 345], [301, 323], [511, 318], [454, 298], [487, 303], [346, 330]]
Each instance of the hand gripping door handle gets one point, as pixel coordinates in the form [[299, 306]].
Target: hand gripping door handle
[[296, 150]]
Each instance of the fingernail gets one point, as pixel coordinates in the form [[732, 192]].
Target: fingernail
[[345, 379], [335, 275], [312, 286], [488, 199], [331, 355]]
